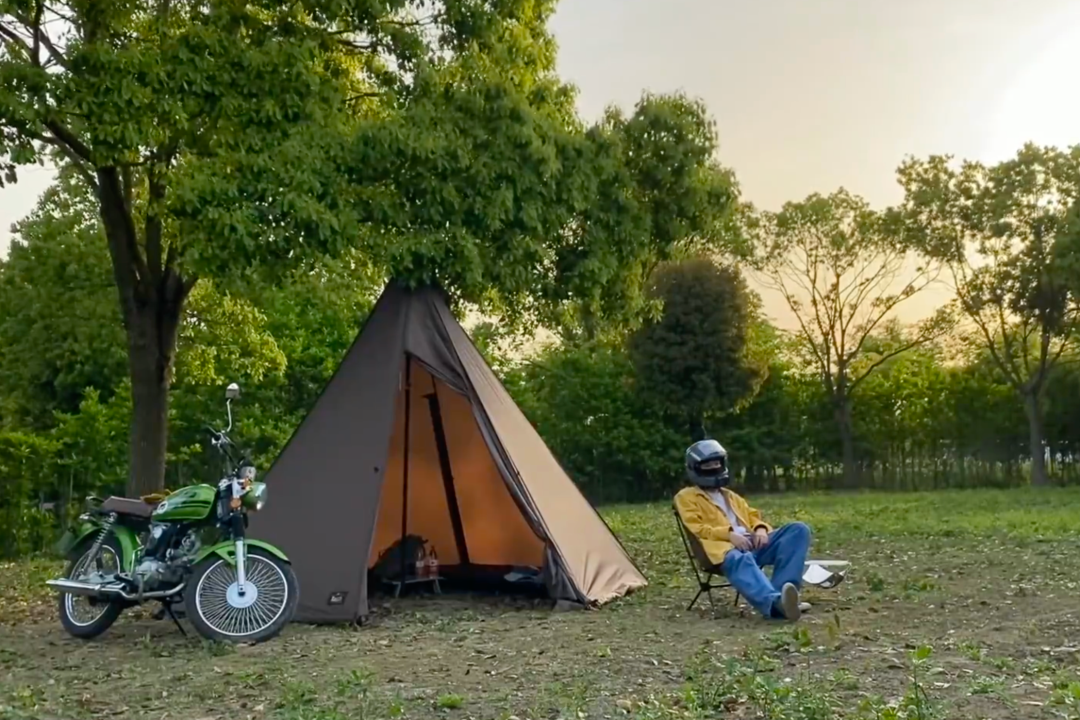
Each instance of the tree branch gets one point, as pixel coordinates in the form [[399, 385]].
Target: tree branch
[[35, 25], [363, 96], [153, 229], [78, 163], [13, 37], [922, 339], [887, 308], [54, 53], [358, 45], [67, 137], [129, 266]]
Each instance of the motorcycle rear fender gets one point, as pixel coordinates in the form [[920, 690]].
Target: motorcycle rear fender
[[85, 532], [227, 550]]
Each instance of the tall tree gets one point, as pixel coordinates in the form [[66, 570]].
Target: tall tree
[[61, 331], [500, 199], [212, 134], [157, 105], [996, 227], [842, 270], [693, 360]]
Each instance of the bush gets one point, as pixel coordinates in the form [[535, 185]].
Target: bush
[[616, 446]]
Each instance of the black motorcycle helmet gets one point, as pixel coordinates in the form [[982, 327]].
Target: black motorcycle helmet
[[706, 465]]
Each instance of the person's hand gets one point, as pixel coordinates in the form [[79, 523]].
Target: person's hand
[[741, 542], [761, 538]]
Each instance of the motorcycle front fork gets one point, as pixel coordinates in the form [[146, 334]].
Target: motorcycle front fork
[[241, 553], [241, 565]]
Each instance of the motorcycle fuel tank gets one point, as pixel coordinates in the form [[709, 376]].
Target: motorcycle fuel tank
[[194, 502]]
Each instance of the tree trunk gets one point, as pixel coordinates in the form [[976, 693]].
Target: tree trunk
[[846, 429], [151, 347], [152, 295], [1033, 410]]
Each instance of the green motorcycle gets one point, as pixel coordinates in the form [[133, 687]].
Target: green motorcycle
[[188, 548]]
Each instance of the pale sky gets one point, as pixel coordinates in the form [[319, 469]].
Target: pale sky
[[810, 95]]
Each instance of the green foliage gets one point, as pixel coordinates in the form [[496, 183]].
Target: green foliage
[[281, 343], [554, 224], [583, 401], [224, 338], [694, 359], [218, 120], [842, 271], [243, 178], [922, 423], [1005, 233], [60, 330], [238, 142], [23, 459]]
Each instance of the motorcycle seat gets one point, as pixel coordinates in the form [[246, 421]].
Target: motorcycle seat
[[127, 506]]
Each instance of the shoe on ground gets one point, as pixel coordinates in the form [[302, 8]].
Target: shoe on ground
[[789, 602], [804, 607]]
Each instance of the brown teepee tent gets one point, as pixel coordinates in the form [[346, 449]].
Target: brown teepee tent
[[415, 435]]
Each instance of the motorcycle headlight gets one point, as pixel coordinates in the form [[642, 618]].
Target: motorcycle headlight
[[254, 499]]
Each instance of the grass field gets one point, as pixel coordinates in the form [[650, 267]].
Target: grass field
[[959, 605]]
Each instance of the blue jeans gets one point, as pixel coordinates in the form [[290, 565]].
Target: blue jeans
[[786, 552]]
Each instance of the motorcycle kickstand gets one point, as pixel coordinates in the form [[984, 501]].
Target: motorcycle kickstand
[[172, 616]]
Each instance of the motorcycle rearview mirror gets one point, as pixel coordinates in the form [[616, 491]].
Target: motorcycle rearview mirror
[[231, 393]]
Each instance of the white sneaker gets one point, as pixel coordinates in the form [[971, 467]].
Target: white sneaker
[[789, 602], [804, 607]]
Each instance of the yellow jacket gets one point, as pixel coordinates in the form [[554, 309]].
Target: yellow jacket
[[709, 524]]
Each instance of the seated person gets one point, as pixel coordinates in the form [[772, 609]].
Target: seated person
[[737, 541]]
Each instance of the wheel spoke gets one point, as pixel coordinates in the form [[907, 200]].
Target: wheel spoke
[[79, 609], [225, 610]]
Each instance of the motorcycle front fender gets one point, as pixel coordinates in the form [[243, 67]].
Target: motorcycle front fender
[[227, 550], [84, 533]]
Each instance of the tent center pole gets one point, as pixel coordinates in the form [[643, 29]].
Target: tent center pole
[[435, 409], [405, 466]]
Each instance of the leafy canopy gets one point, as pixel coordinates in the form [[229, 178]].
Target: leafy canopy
[[1006, 233], [843, 269], [62, 333], [694, 360]]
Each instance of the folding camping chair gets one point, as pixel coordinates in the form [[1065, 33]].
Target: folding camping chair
[[704, 570]]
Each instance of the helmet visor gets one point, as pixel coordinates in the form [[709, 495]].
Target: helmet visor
[[711, 466]]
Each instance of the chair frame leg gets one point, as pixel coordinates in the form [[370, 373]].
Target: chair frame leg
[[706, 589], [694, 601], [706, 586]]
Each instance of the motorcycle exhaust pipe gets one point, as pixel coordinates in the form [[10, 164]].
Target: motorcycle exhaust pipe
[[75, 587]]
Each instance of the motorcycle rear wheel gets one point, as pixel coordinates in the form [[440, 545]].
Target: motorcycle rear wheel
[[219, 612], [83, 617]]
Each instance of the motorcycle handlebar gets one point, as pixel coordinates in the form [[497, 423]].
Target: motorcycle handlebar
[[218, 436]]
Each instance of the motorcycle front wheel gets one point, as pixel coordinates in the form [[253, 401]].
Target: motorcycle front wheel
[[85, 617], [219, 611]]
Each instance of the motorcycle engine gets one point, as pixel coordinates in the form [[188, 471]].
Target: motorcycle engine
[[189, 546], [150, 572]]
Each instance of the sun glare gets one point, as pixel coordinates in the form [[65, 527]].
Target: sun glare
[[1041, 102]]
